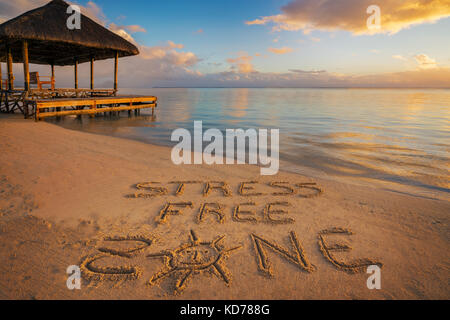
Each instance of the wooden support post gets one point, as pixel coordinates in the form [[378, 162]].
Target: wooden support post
[[1, 79], [116, 69], [26, 68], [10, 69], [93, 107], [26, 76], [52, 67], [76, 74], [53, 75], [36, 113], [92, 73]]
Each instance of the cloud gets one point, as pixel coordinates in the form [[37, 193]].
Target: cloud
[[313, 72], [350, 15], [168, 54], [242, 63], [428, 78], [11, 9], [93, 11], [425, 62], [399, 57], [134, 28], [136, 72], [173, 45], [283, 50], [124, 31], [120, 30], [199, 31], [214, 64]]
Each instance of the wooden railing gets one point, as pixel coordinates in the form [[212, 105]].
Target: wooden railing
[[70, 93]]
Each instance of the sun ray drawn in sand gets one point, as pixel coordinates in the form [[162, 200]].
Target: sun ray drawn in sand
[[192, 258]]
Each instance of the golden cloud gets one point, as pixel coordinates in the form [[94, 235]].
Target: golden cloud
[[425, 62], [135, 28], [242, 63], [428, 78], [283, 50], [120, 30], [351, 15], [168, 54]]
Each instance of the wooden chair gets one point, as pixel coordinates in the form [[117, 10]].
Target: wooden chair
[[36, 79], [4, 82]]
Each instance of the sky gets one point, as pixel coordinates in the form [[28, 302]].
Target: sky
[[271, 43]]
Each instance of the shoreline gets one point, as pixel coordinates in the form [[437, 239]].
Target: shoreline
[[66, 194], [425, 191]]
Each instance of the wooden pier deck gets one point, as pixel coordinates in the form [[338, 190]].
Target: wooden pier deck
[[44, 108]]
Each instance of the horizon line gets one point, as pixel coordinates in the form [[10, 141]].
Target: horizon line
[[187, 87]]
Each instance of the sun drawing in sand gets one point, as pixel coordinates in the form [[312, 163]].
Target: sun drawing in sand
[[192, 258]]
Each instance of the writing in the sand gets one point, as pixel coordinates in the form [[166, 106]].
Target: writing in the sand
[[274, 212], [196, 256], [256, 202]]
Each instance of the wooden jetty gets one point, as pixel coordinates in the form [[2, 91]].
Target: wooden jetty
[[41, 36], [45, 108]]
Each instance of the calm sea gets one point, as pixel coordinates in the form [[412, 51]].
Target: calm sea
[[394, 138]]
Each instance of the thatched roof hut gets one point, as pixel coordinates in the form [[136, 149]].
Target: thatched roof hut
[[51, 42], [42, 36]]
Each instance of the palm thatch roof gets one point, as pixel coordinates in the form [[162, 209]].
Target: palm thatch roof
[[51, 42]]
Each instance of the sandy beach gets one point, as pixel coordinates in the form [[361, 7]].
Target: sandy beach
[[131, 220]]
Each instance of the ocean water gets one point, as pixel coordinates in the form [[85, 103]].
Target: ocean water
[[398, 139]]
